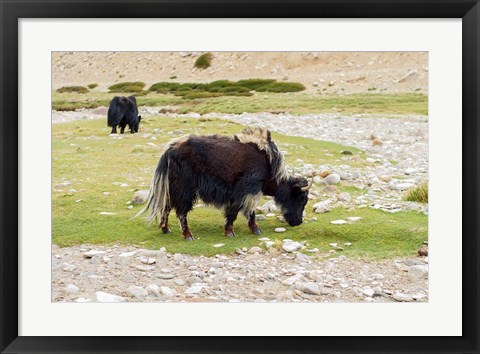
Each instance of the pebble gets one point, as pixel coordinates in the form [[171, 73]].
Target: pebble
[[93, 253], [106, 193], [71, 288], [166, 291], [310, 288], [218, 245], [332, 178], [194, 290], [137, 291], [354, 218], [128, 254], [280, 229], [368, 292], [291, 246], [338, 222], [165, 276], [402, 297], [344, 197], [255, 249], [140, 197], [418, 272], [106, 297], [106, 213]]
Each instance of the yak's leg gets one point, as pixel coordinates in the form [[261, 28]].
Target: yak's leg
[[164, 221], [252, 223], [122, 128], [230, 215], [184, 225], [114, 130]]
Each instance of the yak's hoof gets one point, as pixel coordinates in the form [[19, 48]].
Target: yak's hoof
[[166, 231], [257, 231], [189, 238], [230, 234]]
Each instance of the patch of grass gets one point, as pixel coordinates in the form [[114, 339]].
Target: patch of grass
[[281, 87], [418, 194], [297, 103], [204, 61], [173, 77], [192, 95], [77, 89], [92, 86], [141, 93], [135, 86], [92, 169]]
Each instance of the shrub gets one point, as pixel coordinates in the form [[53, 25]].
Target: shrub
[[204, 61], [163, 87], [418, 194], [201, 94], [253, 84], [77, 89], [234, 89], [237, 93], [282, 87], [141, 93], [135, 86], [92, 86]]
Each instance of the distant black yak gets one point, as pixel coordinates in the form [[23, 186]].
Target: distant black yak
[[123, 111], [229, 173]]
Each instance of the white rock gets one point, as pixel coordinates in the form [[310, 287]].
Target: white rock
[[82, 300], [333, 244], [280, 229], [344, 197], [166, 291], [338, 222], [106, 297], [93, 253], [270, 215], [71, 288], [410, 170], [106, 213], [291, 246], [368, 292], [130, 207], [419, 296], [310, 288], [141, 196], [137, 292], [418, 272], [194, 289], [106, 193], [332, 178], [402, 297], [293, 279], [218, 245], [255, 249], [347, 243], [127, 254], [269, 244], [264, 239]]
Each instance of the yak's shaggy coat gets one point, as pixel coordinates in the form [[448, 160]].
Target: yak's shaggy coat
[[229, 173], [123, 111]]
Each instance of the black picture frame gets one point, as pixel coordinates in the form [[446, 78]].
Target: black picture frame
[[12, 11]]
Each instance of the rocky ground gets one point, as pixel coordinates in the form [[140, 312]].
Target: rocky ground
[[397, 155], [280, 274]]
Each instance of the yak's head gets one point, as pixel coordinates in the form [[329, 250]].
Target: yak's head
[[292, 195], [137, 124]]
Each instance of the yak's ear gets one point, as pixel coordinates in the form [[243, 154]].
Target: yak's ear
[[139, 118]]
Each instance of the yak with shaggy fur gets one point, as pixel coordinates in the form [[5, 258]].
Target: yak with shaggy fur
[[123, 111], [228, 173]]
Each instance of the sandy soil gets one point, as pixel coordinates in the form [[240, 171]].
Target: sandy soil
[[342, 72]]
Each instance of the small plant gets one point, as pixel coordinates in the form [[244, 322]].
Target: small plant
[[77, 89], [282, 87], [135, 86], [92, 86], [418, 194], [204, 61], [372, 88], [173, 77], [234, 89], [201, 94], [141, 93]]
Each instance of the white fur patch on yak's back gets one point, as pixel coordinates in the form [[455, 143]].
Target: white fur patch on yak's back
[[261, 137]]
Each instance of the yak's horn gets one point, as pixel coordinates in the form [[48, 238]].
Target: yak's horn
[[304, 189]]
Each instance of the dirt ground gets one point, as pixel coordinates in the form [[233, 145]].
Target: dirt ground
[[337, 72]]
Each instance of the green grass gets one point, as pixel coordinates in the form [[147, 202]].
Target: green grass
[[77, 89], [92, 86], [281, 87], [295, 103], [136, 86], [418, 194], [204, 61], [85, 155]]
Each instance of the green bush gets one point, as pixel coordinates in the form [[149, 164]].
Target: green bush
[[92, 86], [282, 87], [234, 89], [253, 84], [238, 93], [418, 194], [204, 61], [165, 86], [135, 86], [77, 89], [141, 93]]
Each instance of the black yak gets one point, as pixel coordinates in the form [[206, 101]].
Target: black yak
[[123, 111], [229, 173]]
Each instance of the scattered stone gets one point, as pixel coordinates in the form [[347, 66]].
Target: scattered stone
[[354, 218], [291, 246], [338, 222], [166, 291], [165, 276], [255, 249], [137, 291], [106, 213], [93, 253], [418, 272], [194, 289], [344, 197], [310, 288], [376, 142], [423, 251], [141, 196], [347, 244], [71, 288], [218, 245], [106, 193], [153, 289], [368, 292], [127, 254], [402, 297], [280, 229], [332, 179], [106, 297]]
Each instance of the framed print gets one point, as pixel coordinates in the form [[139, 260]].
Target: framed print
[[241, 174]]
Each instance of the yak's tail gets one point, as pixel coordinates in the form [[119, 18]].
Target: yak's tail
[[159, 197], [116, 111]]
